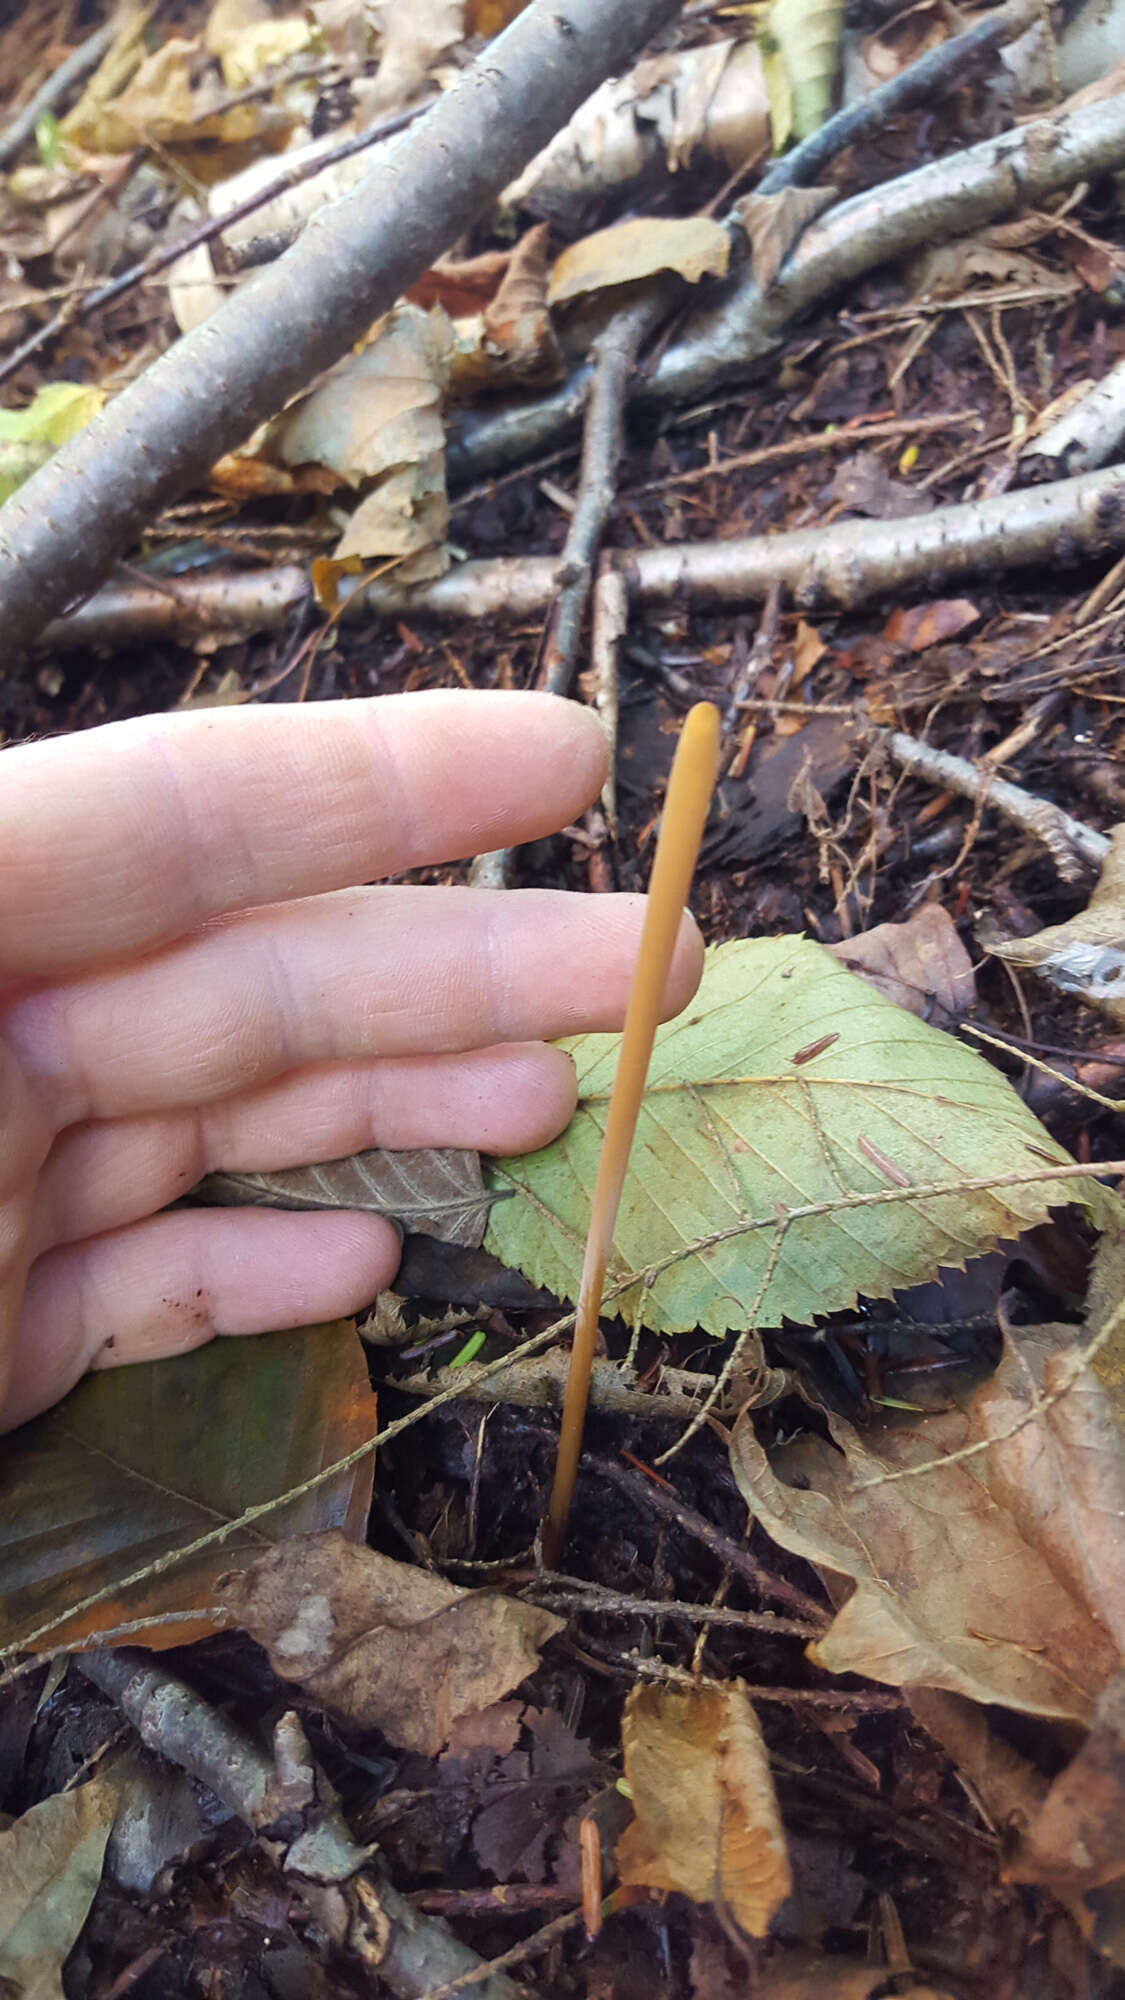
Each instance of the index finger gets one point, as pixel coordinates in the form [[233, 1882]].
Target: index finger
[[121, 839]]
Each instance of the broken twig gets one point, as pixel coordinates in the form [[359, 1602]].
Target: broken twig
[[1063, 837]]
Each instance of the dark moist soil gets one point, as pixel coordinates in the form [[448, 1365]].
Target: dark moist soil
[[882, 1831]]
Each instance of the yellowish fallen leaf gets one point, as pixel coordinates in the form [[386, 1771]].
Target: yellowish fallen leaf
[[692, 245], [29, 436], [707, 1821], [248, 38]]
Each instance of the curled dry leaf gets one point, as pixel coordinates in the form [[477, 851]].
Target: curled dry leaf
[[175, 98], [1086, 955], [387, 1645], [248, 38], [916, 626], [411, 38], [50, 1867], [952, 1590], [775, 222], [432, 1191], [692, 245], [711, 98], [1059, 1471], [707, 1821], [920, 965], [377, 416], [864, 486]]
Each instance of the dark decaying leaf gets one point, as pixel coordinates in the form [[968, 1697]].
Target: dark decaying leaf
[[137, 1461], [432, 1191]]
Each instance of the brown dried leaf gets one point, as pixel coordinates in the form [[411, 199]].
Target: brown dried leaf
[[692, 245], [517, 321], [1077, 1841], [411, 39], [775, 222], [1062, 1476], [139, 1461], [950, 1593], [432, 1191], [920, 964], [389, 1646], [864, 485], [707, 1821], [917, 626], [947, 269]]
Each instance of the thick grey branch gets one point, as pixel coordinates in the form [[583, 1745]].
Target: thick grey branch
[[60, 534], [844, 565]]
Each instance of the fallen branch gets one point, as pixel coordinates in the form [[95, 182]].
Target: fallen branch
[[728, 337], [1063, 837], [273, 1796], [1090, 433], [821, 568], [60, 534]]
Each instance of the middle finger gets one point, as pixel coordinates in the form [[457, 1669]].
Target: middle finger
[[368, 972]]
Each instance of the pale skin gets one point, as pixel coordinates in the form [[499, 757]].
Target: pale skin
[[193, 977]]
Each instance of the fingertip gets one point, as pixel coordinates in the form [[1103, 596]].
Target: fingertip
[[538, 1093], [581, 740], [686, 969]]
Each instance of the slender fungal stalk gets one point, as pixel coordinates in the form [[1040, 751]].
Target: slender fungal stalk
[[690, 785]]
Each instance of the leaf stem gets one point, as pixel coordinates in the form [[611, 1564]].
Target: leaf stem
[[686, 804]]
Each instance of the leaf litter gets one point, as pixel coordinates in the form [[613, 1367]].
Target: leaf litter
[[1042, 1477]]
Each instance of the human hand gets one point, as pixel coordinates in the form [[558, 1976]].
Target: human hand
[[188, 982]]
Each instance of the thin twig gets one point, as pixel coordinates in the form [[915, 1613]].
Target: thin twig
[[517, 1954], [559, 1592], [609, 622], [49, 96], [1063, 837], [931, 75], [1071, 1369]]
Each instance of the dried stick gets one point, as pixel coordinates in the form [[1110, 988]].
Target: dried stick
[[1089, 434], [821, 568], [649, 1498], [614, 358], [74, 70], [540, 1384], [271, 1795], [60, 534], [164, 255], [609, 622], [1063, 837], [688, 799]]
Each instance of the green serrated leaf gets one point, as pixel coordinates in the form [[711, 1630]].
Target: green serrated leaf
[[789, 1083]]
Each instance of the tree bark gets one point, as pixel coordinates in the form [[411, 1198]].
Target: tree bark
[[63, 530]]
